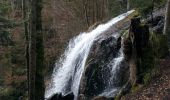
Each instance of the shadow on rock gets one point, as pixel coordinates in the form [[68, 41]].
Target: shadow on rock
[[59, 96]]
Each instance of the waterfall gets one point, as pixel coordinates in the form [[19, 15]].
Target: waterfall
[[68, 71], [110, 90]]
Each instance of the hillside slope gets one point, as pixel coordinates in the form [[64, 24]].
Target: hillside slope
[[158, 88]]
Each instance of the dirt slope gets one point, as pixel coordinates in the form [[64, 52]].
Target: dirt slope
[[158, 88]]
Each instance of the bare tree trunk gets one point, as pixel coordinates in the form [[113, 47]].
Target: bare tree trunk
[[97, 11], [25, 18], [12, 7], [167, 23], [93, 11], [32, 50], [128, 5], [86, 13], [39, 76], [36, 53]]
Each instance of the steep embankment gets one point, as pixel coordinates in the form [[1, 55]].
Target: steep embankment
[[158, 88]]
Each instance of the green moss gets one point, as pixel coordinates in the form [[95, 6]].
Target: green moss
[[163, 46], [135, 88], [159, 44], [147, 78], [147, 64], [7, 93], [125, 34], [117, 97], [11, 93]]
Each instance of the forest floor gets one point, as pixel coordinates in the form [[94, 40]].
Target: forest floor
[[158, 88]]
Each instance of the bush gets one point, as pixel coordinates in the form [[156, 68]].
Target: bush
[[6, 93], [11, 93]]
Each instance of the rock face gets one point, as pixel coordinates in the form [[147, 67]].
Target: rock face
[[59, 96], [138, 37], [97, 73], [157, 24], [135, 46], [56, 97]]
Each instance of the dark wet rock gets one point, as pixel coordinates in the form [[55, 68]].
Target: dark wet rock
[[140, 35], [127, 48], [155, 20], [82, 97], [56, 97], [119, 42], [97, 70], [111, 98], [158, 29], [69, 96], [102, 98], [157, 23], [59, 96]]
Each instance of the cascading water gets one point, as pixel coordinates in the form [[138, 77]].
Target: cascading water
[[68, 72], [110, 89]]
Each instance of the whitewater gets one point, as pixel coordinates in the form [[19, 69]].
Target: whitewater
[[69, 69]]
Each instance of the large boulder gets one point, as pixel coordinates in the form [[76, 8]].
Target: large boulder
[[97, 70], [100, 73]]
